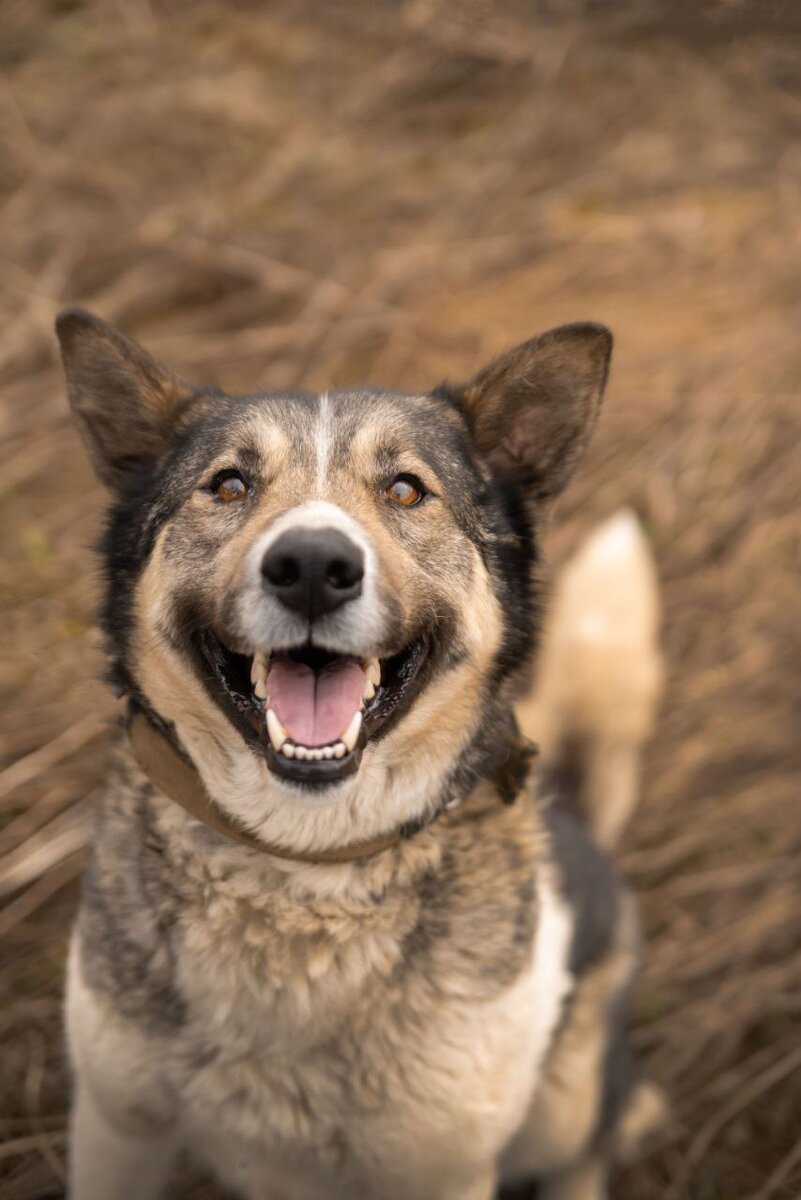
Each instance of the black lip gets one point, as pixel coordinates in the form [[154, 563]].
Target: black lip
[[390, 704], [226, 676], [317, 774]]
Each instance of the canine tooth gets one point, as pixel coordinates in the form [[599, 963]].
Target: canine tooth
[[258, 674], [369, 690], [339, 750], [328, 751], [372, 669], [258, 668], [351, 734], [288, 750], [278, 735]]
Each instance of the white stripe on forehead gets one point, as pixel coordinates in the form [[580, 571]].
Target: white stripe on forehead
[[323, 440]]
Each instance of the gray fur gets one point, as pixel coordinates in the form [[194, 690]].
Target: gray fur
[[589, 883], [128, 911], [413, 1027]]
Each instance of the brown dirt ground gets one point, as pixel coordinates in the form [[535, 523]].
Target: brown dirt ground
[[271, 194]]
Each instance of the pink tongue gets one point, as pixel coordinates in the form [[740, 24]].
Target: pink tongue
[[315, 707]]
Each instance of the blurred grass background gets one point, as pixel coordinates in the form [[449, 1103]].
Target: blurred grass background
[[310, 193]]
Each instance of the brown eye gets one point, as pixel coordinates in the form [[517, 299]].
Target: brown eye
[[405, 490], [230, 487]]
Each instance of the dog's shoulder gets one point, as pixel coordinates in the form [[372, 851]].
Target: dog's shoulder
[[126, 923], [477, 908]]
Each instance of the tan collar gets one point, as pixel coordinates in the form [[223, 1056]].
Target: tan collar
[[179, 780]]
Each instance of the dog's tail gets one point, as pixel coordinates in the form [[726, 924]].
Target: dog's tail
[[599, 676]]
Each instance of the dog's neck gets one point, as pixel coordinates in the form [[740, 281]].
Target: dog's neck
[[324, 930], [176, 777]]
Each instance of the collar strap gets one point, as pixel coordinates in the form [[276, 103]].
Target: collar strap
[[180, 781]]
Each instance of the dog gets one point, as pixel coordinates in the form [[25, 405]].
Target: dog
[[340, 935]]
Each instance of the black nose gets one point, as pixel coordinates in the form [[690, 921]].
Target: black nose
[[313, 571]]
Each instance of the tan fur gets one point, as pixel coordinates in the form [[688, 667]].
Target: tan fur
[[600, 671], [645, 1115], [585, 1180], [561, 1123], [412, 1026], [395, 783], [413, 1049]]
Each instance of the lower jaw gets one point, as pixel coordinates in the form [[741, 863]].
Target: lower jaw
[[314, 775], [320, 776]]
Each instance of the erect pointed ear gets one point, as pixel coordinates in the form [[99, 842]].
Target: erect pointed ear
[[533, 410], [125, 404]]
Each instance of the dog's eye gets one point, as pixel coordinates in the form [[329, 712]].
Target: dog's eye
[[405, 490], [229, 486]]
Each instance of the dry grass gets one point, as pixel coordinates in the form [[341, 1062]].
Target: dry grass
[[286, 193]]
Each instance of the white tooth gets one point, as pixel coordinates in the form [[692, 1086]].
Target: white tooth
[[288, 750], [301, 752], [369, 690], [258, 674], [351, 734], [258, 668], [339, 750], [278, 735], [317, 755], [328, 751], [372, 669]]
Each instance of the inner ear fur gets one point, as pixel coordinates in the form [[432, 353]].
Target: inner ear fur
[[532, 411], [124, 403]]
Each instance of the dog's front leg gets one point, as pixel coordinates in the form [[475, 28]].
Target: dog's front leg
[[123, 1124], [110, 1160]]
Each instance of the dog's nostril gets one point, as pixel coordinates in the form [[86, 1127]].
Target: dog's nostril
[[344, 573], [281, 571]]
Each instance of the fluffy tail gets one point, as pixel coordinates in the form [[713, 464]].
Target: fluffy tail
[[599, 675]]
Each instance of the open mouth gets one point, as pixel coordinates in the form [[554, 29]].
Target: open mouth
[[312, 712]]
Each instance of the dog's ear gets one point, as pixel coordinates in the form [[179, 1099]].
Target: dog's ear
[[532, 411], [124, 403]]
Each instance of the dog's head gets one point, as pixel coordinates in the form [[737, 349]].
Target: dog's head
[[331, 599]]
